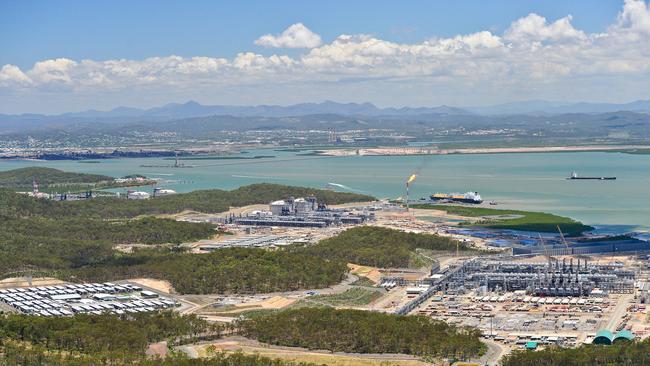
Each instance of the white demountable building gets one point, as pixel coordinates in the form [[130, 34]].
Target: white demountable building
[[137, 195]]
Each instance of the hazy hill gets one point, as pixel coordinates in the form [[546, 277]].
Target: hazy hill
[[541, 107], [191, 109]]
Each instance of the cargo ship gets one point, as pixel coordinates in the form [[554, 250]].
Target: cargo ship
[[469, 197], [575, 176]]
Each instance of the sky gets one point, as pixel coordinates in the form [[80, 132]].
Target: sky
[[76, 55]]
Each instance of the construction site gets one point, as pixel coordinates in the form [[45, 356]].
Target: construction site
[[531, 301]]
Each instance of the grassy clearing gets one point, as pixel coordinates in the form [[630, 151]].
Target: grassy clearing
[[421, 258], [351, 297], [521, 220], [364, 282]]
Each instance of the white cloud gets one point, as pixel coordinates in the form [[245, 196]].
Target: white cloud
[[535, 28], [634, 18], [533, 54], [53, 71], [296, 36], [11, 75]]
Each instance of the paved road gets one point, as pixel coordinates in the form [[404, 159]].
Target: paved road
[[619, 312], [492, 356]]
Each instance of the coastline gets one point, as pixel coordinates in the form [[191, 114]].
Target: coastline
[[404, 151]]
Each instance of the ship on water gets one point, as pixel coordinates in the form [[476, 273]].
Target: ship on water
[[469, 197], [575, 176]]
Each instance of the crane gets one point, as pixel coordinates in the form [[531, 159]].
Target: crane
[[562, 237], [548, 255]]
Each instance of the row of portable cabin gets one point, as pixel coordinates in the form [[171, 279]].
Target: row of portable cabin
[[136, 306], [81, 289]]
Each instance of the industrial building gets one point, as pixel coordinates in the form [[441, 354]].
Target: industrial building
[[137, 195], [606, 337], [295, 206], [301, 212], [555, 278], [542, 281]]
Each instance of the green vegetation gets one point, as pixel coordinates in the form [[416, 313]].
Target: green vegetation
[[230, 270], [363, 332], [519, 220], [380, 247], [363, 282], [54, 180], [74, 241], [351, 297], [37, 356], [110, 339], [208, 201], [46, 177], [632, 353], [148, 230], [424, 257]]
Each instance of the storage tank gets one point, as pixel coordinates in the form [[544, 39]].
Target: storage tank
[[301, 206], [279, 208]]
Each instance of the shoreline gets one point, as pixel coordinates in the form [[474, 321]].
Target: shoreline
[[407, 151], [101, 154]]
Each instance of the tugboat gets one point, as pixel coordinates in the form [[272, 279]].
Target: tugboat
[[574, 176]]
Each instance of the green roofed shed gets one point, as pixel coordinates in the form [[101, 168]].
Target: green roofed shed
[[604, 336], [531, 345], [623, 335]]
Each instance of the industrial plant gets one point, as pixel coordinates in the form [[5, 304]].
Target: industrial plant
[[302, 212]]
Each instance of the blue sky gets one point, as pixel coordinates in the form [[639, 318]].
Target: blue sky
[[31, 31], [43, 45]]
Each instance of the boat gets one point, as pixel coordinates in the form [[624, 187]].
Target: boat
[[469, 197], [575, 176]]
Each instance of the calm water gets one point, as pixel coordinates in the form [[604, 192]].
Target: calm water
[[521, 181]]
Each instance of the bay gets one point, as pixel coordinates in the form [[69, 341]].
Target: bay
[[528, 181]]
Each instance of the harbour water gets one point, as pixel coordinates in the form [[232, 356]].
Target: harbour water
[[529, 181]]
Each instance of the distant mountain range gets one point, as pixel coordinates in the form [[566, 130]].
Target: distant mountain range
[[191, 109], [541, 107]]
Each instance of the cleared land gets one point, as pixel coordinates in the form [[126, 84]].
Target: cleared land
[[158, 285], [371, 273], [22, 282], [351, 297], [303, 355]]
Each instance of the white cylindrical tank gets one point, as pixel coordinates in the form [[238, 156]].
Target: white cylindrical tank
[[277, 207], [301, 206]]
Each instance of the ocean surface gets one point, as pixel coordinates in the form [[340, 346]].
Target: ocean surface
[[529, 181]]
